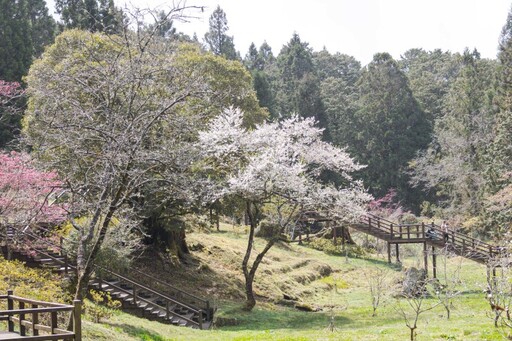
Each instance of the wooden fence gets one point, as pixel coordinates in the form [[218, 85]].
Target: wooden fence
[[25, 321]]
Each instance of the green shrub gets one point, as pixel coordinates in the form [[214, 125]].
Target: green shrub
[[37, 284], [101, 306]]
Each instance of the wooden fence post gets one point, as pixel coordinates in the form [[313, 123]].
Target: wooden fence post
[[53, 322], [135, 294], [23, 330], [77, 319], [200, 319], [425, 257], [35, 320], [10, 306], [434, 262]]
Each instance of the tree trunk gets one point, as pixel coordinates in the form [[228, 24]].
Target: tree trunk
[[85, 270], [250, 301], [177, 243], [253, 215], [344, 233], [412, 333]]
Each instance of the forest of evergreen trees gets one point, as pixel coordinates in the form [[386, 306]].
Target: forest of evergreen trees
[[434, 126]]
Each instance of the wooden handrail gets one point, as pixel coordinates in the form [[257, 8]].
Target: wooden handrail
[[34, 325], [195, 310], [125, 279], [154, 304], [457, 238], [206, 302]]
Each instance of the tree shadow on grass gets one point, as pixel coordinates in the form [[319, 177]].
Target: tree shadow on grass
[[260, 319], [140, 333], [384, 263]]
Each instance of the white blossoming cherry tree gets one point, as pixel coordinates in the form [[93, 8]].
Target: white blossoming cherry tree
[[275, 170]]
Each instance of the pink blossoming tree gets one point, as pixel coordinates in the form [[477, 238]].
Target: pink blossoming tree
[[27, 195]]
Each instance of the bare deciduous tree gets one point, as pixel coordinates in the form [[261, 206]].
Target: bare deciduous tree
[[379, 280], [499, 292], [449, 284], [116, 115], [412, 305]]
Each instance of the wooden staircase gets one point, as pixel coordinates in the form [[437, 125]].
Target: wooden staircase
[[161, 302], [456, 242]]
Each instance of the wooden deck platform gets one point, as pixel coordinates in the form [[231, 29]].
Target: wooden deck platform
[[9, 336]]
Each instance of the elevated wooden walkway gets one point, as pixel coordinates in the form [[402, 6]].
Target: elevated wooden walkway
[[429, 235]]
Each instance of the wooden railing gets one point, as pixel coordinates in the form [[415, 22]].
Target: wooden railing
[[27, 322], [192, 300], [65, 262], [419, 231], [167, 301]]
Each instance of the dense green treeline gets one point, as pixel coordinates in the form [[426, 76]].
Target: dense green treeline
[[433, 125]]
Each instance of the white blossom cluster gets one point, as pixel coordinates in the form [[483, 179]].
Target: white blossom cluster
[[280, 160]]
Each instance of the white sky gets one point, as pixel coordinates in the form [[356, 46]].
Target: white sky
[[355, 27]]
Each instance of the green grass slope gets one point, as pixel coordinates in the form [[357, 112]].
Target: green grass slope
[[335, 286]]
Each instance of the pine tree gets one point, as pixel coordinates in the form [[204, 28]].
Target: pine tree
[[456, 161], [42, 25], [502, 145], [338, 75], [90, 15], [265, 56], [218, 42], [16, 50], [430, 75], [390, 127], [297, 86], [251, 58]]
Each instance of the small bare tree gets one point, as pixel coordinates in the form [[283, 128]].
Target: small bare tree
[[410, 306], [449, 284], [499, 292], [379, 280]]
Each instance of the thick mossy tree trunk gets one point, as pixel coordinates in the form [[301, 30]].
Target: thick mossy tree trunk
[[341, 233], [167, 234], [253, 214]]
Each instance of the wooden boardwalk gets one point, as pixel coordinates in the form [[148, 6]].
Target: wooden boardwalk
[[430, 235]]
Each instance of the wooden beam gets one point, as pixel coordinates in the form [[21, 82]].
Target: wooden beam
[[425, 257], [389, 252], [434, 262]]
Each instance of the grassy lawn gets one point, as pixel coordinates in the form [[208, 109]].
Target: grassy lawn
[[309, 276]]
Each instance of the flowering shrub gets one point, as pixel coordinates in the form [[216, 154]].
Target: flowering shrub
[[28, 195], [387, 206], [101, 306], [9, 91]]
